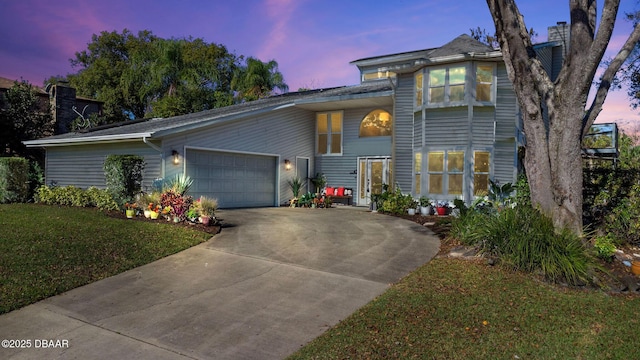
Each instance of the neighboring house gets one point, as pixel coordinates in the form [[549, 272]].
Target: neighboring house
[[61, 100], [438, 122]]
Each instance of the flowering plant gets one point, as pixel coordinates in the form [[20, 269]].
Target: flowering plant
[[152, 207], [131, 206]]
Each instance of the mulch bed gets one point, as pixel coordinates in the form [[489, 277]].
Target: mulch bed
[[619, 278], [210, 229]]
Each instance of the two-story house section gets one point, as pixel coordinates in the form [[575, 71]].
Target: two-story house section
[[455, 118]]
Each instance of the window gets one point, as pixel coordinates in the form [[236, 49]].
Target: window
[[419, 89], [329, 133], [481, 168], [446, 171], [377, 74], [447, 85], [417, 169], [484, 83], [376, 123]]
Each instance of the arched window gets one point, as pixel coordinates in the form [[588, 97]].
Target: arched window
[[376, 123]]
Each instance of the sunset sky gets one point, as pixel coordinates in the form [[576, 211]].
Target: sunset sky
[[312, 41]]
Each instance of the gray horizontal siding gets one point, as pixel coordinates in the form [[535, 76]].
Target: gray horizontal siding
[[403, 133], [447, 127], [339, 170], [82, 165], [285, 132]]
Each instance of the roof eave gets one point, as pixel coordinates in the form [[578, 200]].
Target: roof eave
[[51, 142]]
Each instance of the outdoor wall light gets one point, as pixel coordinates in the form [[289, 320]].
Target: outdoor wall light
[[176, 157], [287, 164]]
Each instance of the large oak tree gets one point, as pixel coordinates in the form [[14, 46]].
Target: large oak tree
[[555, 113]]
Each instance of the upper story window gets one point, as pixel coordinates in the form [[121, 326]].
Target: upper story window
[[447, 85], [419, 89], [376, 123], [454, 85], [484, 83], [329, 133], [377, 74]]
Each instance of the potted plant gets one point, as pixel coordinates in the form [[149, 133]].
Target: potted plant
[[425, 206], [130, 210], [441, 208], [154, 210], [207, 208], [319, 181], [412, 203], [296, 185]]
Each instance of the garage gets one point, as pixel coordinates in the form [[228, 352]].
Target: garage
[[237, 180]]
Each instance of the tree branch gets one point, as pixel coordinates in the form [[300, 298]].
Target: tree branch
[[608, 77]]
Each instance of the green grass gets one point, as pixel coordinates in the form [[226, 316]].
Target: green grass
[[457, 309], [47, 250]]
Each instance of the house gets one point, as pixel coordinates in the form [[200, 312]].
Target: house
[[438, 122], [62, 101]]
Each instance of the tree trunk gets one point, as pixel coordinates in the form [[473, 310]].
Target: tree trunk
[[554, 114]]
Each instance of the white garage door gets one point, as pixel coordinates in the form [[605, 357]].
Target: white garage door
[[236, 180]]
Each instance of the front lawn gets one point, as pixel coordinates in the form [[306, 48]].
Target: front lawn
[[46, 250], [460, 309]]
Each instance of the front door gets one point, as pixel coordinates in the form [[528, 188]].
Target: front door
[[373, 173]]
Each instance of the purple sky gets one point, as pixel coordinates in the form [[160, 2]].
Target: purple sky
[[312, 41]]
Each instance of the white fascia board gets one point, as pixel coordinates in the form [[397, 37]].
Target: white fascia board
[[85, 140], [494, 55], [371, 95]]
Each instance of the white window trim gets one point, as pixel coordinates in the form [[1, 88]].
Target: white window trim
[[472, 168], [494, 86], [445, 173], [329, 133], [446, 102]]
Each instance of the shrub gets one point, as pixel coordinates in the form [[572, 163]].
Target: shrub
[[394, 202], [14, 180], [207, 206], [123, 175], [525, 239], [622, 222], [180, 184], [73, 196], [179, 204], [604, 247]]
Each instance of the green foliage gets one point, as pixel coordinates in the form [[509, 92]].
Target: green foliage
[[424, 201], [394, 202], [22, 117], [123, 174], [180, 184], [142, 75], [523, 192], [14, 180], [306, 199], [74, 196], [207, 206], [525, 239], [296, 185], [622, 222], [257, 79], [604, 247]]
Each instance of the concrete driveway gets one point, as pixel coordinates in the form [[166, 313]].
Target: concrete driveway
[[271, 281]]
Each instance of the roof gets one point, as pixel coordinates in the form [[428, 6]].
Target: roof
[[6, 83], [460, 48], [158, 127]]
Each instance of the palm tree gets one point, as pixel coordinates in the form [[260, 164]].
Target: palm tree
[[257, 80]]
